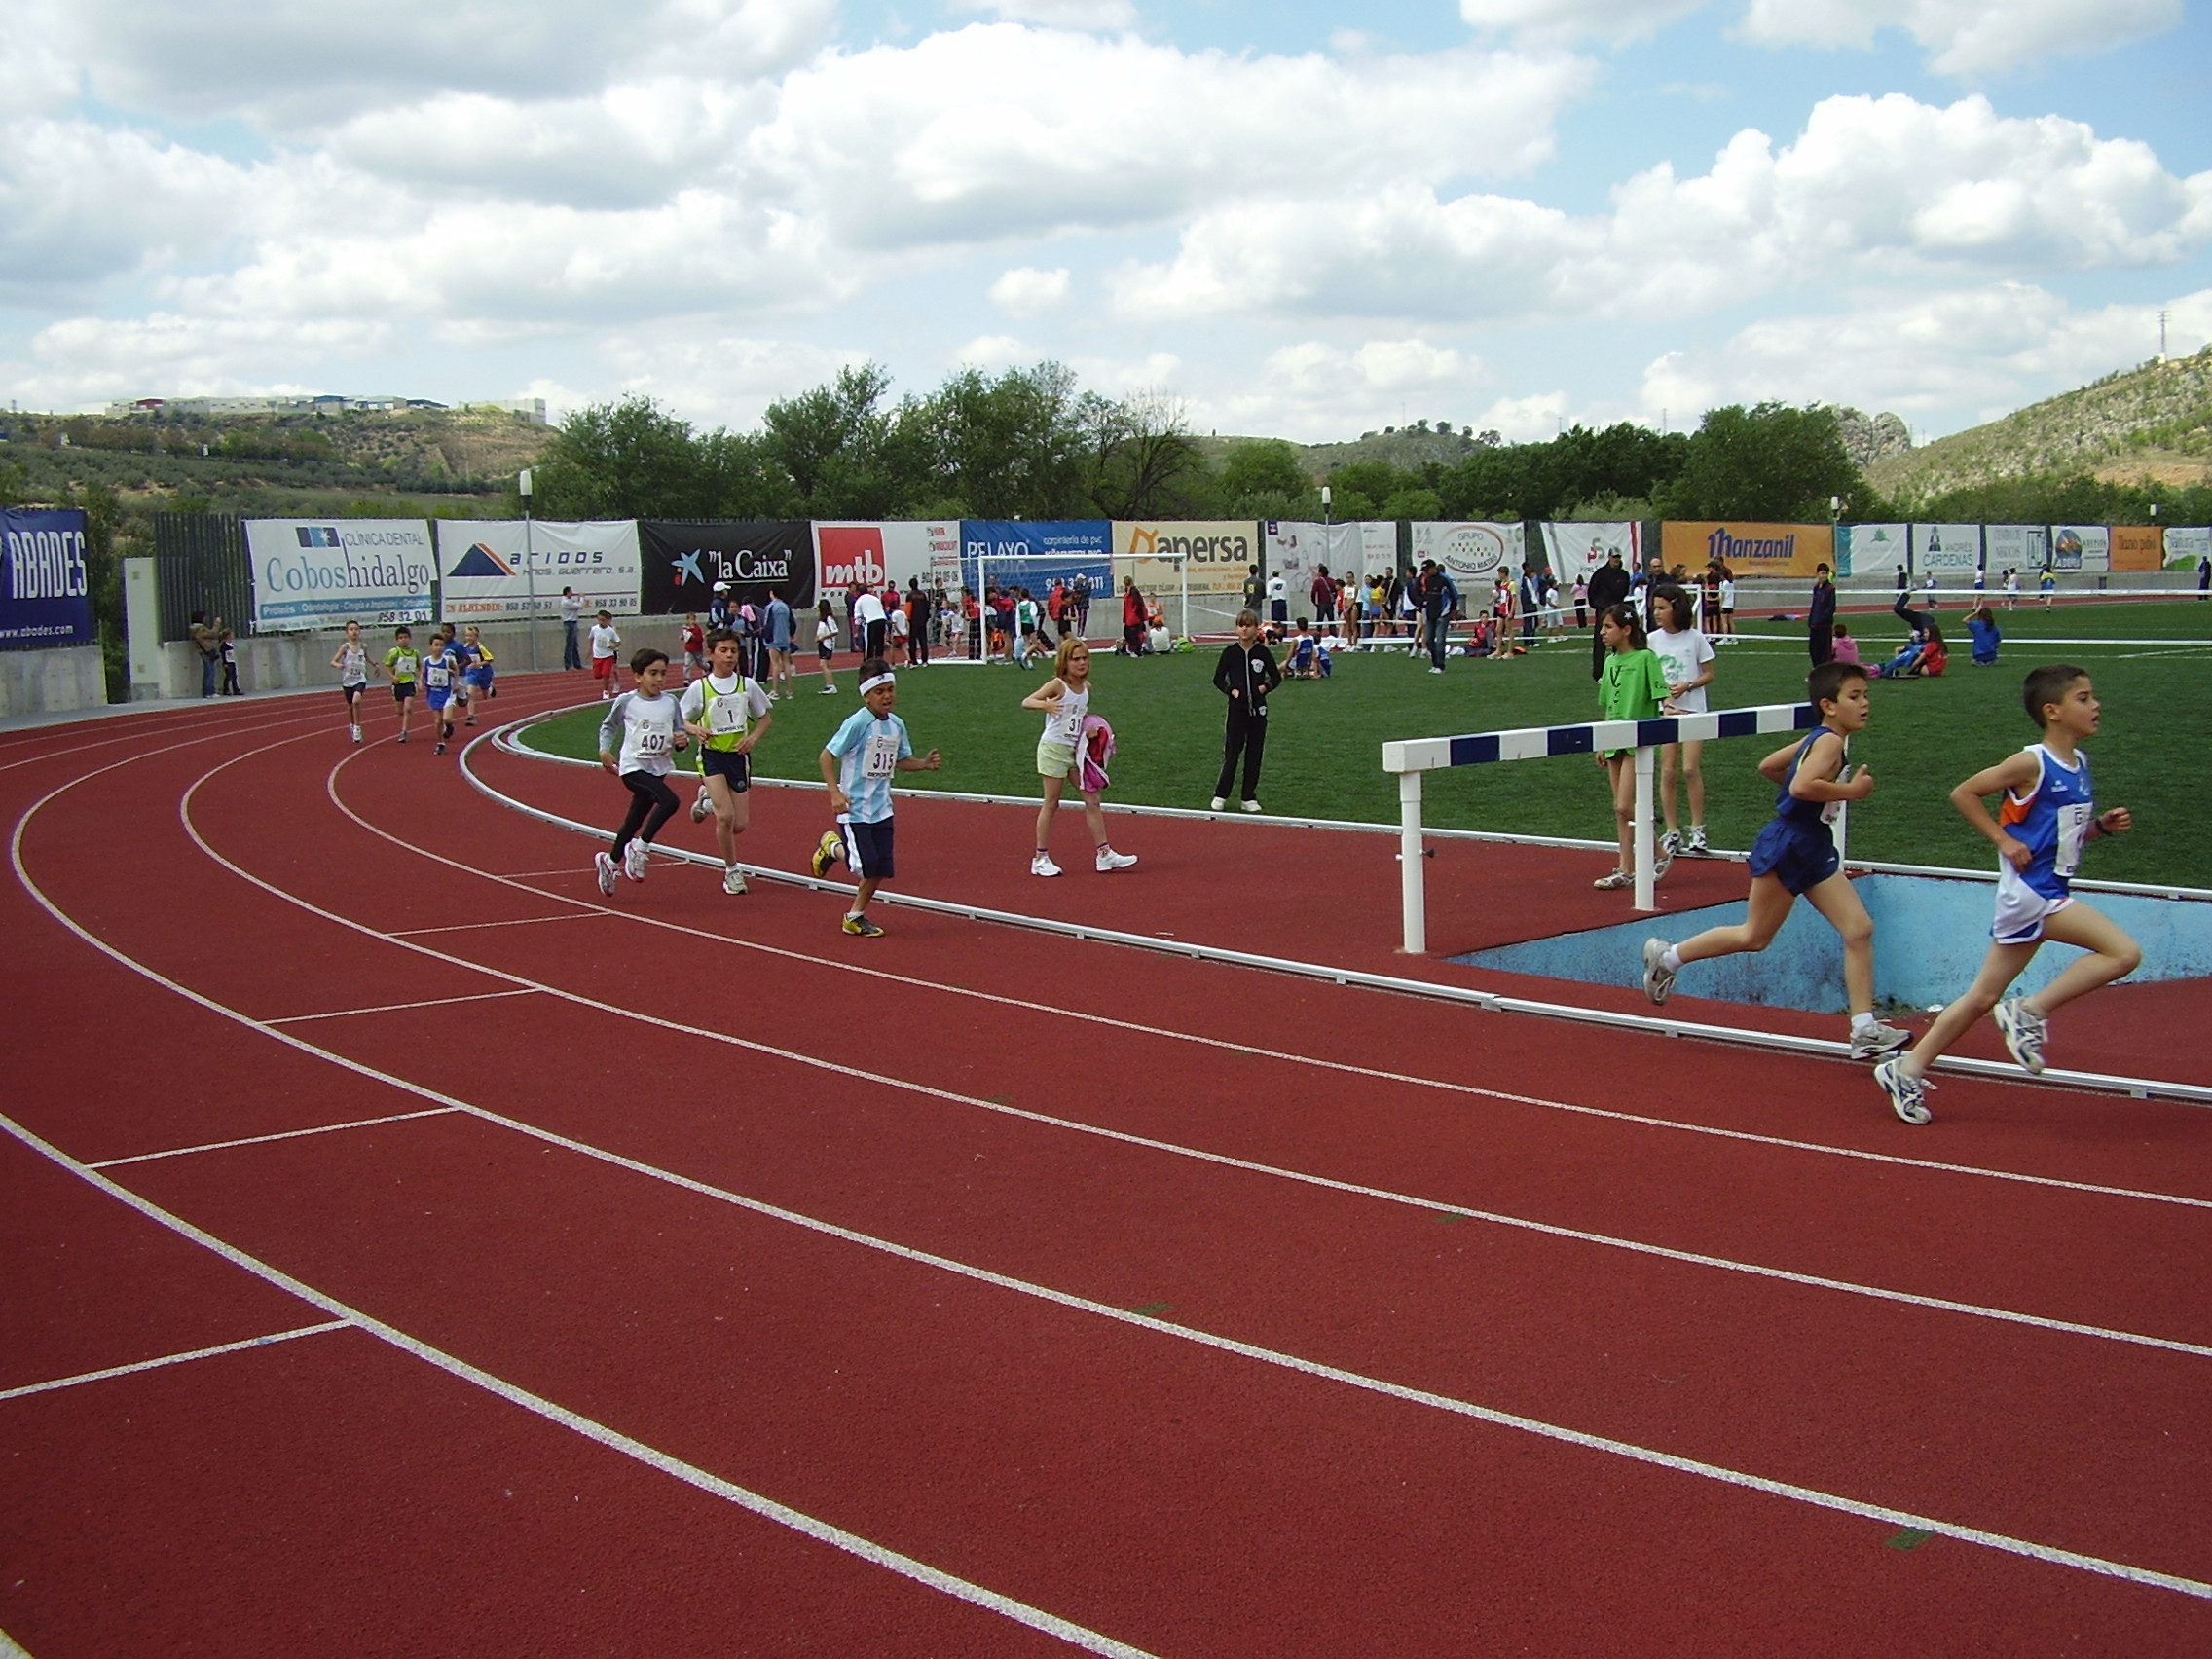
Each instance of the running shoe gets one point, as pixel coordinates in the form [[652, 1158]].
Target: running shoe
[[1908, 1095], [1670, 844], [603, 863], [1662, 861], [1219, 803], [1695, 847], [701, 806], [1878, 1042], [440, 749], [827, 852], [633, 861], [357, 734], [1614, 881], [471, 719], [860, 927], [829, 690], [1251, 806], [2025, 1032], [1658, 977], [1042, 865], [1109, 861], [733, 880], [403, 737]]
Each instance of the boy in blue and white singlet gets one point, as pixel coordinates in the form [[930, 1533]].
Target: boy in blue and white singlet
[[1797, 853], [858, 763], [440, 673], [2047, 814]]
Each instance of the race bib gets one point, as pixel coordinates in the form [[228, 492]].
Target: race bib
[[880, 758], [2073, 821]]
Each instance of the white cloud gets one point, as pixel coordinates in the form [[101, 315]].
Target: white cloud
[[1317, 389], [1873, 186], [1577, 19], [705, 375], [1101, 14], [1964, 37], [84, 358], [1027, 291], [993, 352]]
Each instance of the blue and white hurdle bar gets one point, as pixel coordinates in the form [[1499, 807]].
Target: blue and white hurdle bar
[[1410, 758]]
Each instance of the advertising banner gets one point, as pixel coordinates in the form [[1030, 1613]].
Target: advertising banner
[[2187, 547], [1572, 550], [1945, 550], [2015, 546], [2080, 547], [1749, 550], [485, 580], [849, 551], [680, 563], [1364, 548], [1872, 549], [1471, 552], [323, 574], [1034, 555], [1195, 556], [45, 598], [2138, 548]]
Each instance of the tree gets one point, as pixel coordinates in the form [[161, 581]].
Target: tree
[[626, 460], [839, 447], [1020, 446], [1145, 464], [1771, 463], [1263, 475]]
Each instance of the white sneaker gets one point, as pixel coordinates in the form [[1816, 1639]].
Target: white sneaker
[[604, 865], [633, 861], [1042, 865], [1658, 977], [1695, 847], [357, 734], [1251, 806], [1109, 860], [733, 880], [702, 806], [1908, 1095], [1219, 803], [2024, 1031], [1878, 1042]]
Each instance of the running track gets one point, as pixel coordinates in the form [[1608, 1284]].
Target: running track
[[538, 1275]]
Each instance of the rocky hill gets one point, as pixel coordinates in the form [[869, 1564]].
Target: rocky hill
[[2153, 421]]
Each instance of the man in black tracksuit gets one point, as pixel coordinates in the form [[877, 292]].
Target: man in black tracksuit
[[1610, 585], [1820, 617], [1245, 675]]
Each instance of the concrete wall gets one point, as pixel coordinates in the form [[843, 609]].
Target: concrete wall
[[52, 682], [274, 662]]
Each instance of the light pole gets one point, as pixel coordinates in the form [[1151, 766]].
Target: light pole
[[529, 563]]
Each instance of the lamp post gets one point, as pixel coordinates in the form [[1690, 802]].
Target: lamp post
[[529, 563]]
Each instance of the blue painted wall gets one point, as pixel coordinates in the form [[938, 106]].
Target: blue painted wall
[[1930, 937]]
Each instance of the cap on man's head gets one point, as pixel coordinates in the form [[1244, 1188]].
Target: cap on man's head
[[721, 587]]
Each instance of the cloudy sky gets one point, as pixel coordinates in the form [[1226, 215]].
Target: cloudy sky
[[1298, 218]]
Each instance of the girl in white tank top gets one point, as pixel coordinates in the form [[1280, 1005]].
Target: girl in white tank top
[[1065, 700]]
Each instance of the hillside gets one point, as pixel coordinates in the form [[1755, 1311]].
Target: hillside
[[2153, 421]]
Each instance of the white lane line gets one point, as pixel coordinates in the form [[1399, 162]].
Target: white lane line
[[1634, 1246], [9, 1649], [1645, 1455], [345, 1315], [173, 1359], [1251, 1050], [587, 911], [396, 1008], [263, 1140]]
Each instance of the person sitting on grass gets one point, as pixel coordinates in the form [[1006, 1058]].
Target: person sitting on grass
[[1987, 636], [1303, 662], [1845, 648]]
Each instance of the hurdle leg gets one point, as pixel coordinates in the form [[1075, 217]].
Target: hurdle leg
[[1413, 892], [1646, 852]]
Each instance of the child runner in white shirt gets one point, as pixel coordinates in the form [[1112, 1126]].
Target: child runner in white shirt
[[728, 714], [857, 763], [635, 740], [352, 665], [605, 641], [1686, 655], [1065, 700]]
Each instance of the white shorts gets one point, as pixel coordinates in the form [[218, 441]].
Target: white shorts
[[2022, 911]]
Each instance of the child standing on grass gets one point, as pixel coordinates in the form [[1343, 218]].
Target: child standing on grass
[[857, 763], [1687, 656], [826, 645], [1795, 854], [1065, 700], [728, 714], [352, 665], [1632, 688], [401, 663], [636, 737], [2048, 814], [1245, 674]]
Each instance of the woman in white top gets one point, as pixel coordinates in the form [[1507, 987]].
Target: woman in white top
[[1686, 655], [352, 665], [1065, 700]]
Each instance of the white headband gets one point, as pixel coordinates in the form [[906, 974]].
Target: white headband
[[867, 686]]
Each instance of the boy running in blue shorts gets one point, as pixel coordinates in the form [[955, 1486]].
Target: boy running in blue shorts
[[476, 676], [441, 672], [728, 714], [857, 763], [2047, 814], [1795, 854]]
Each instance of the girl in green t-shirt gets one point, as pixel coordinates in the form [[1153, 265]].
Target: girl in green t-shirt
[[1632, 688]]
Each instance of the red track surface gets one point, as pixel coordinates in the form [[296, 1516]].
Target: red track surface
[[1206, 1310]]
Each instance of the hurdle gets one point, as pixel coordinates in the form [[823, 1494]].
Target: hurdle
[[1410, 758]]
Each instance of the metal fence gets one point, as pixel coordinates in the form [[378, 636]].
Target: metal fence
[[200, 564]]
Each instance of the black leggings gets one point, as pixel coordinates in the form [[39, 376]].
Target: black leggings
[[1247, 737], [653, 804]]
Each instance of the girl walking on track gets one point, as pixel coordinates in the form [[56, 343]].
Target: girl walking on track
[[1065, 700]]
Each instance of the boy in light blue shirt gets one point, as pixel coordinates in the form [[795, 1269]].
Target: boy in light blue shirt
[[857, 763]]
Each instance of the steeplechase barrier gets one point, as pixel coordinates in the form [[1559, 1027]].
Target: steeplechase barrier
[[1410, 758]]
